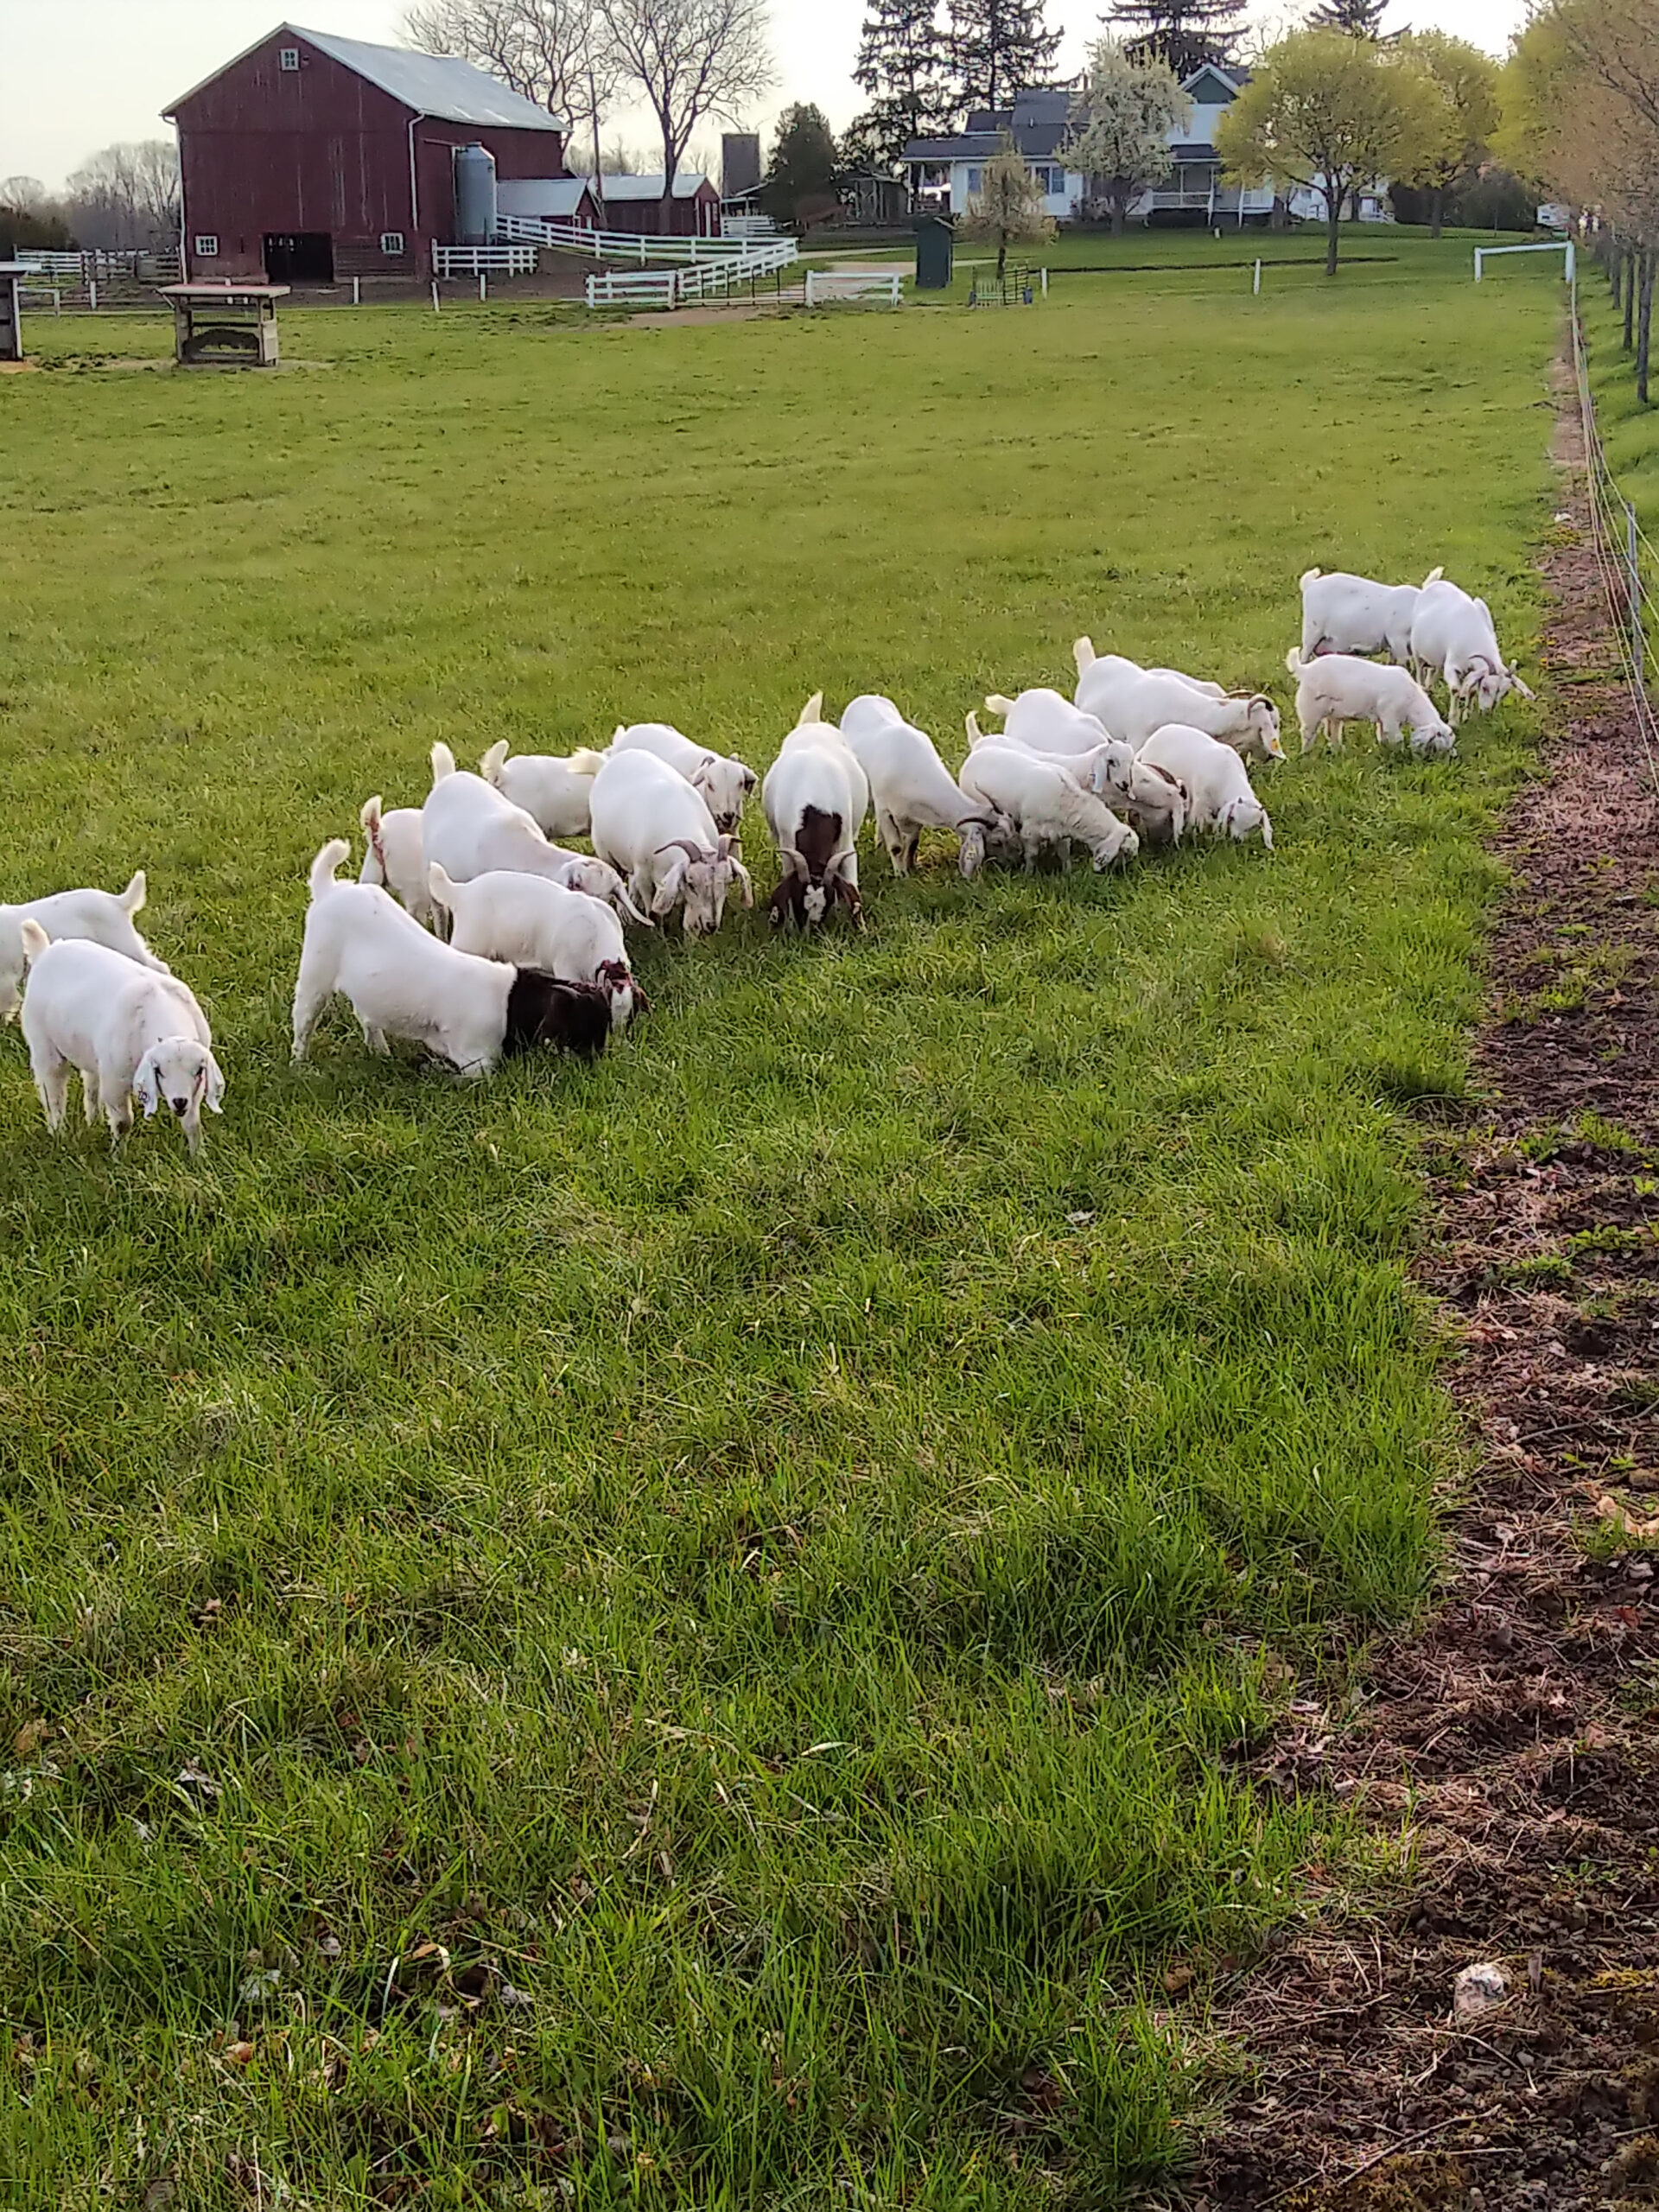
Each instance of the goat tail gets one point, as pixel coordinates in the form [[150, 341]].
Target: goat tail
[[1083, 652], [584, 761], [490, 767], [135, 892], [975, 733], [370, 817], [441, 885], [443, 762], [996, 703], [34, 938], [811, 712], [1432, 577], [322, 868], [1293, 662], [1311, 576]]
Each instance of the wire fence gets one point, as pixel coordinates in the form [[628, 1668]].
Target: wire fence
[[1625, 557]]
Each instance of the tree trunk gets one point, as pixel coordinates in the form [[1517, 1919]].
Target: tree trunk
[[1120, 215], [1332, 232], [1644, 325], [1437, 220], [1001, 257], [599, 169], [1615, 269], [1630, 295]]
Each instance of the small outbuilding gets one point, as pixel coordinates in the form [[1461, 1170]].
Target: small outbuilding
[[311, 158], [635, 203]]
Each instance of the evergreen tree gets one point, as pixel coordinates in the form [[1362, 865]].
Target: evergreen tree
[[999, 47], [800, 180], [1186, 34], [1357, 18], [902, 67]]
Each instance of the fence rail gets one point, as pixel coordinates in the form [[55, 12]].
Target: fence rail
[[757, 255], [483, 261], [823, 285], [1619, 543]]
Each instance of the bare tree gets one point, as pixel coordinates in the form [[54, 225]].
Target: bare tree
[[692, 59], [25, 193], [554, 51], [127, 196]]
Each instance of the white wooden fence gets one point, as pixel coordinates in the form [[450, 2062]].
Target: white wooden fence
[[483, 261], [758, 255], [825, 284], [675, 288]]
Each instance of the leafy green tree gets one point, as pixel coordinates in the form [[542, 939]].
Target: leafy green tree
[[997, 49], [1466, 80], [800, 177], [902, 67], [1007, 209], [1333, 114], [1120, 134]]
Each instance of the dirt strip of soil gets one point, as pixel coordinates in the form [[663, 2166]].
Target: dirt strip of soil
[[1514, 1735]]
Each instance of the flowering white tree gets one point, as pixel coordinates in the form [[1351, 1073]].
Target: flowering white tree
[[1121, 136]]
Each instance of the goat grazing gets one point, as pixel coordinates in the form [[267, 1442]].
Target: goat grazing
[[914, 791], [1335, 689], [807, 798], [403, 981], [553, 791], [724, 783], [101, 917], [395, 856], [1048, 806], [1085, 657], [1343, 613], [1214, 778], [655, 829], [131, 1032], [531, 923], [470, 828], [1453, 637], [1046, 723], [1132, 707]]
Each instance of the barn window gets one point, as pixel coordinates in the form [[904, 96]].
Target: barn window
[[207, 246], [289, 57], [392, 241]]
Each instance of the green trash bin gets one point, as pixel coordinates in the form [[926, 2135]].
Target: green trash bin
[[934, 240]]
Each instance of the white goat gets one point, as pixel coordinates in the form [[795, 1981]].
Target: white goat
[[723, 782], [1107, 768], [1344, 613], [1085, 656], [1132, 707], [1335, 689], [1048, 806], [913, 789], [101, 917], [654, 828], [531, 923], [808, 800], [401, 982], [131, 1033], [1452, 636], [553, 790], [1157, 804], [395, 856], [1214, 778], [812, 731], [470, 828], [1046, 723]]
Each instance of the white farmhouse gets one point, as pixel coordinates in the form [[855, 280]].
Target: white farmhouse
[[945, 173]]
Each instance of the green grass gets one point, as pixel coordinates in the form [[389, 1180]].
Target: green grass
[[763, 1548]]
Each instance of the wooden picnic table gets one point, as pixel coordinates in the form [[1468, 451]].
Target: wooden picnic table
[[226, 325]]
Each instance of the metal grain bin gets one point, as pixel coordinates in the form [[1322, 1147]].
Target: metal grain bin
[[934, 240], [474, 195]]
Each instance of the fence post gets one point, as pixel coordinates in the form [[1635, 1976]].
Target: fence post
[[357, 291], [434, 296], [1480, 257], [483, 287], [1044, 283], [592, 281], [1256, 283], [1638, 644]]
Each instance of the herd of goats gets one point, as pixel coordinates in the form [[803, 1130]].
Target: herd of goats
[[471, 933]]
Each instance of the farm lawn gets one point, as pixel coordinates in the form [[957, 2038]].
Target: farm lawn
[[679, 1632]]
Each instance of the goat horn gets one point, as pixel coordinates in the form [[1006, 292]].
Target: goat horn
[[685, 845]]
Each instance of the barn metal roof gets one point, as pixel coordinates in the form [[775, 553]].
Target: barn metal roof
[[435, 85], [686, 183]]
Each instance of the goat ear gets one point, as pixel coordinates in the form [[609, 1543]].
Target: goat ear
[[670, 885], [213, 1099], [743, 875], [750, 779], [146, 1084]]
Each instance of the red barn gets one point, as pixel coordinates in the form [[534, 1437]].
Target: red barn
[[309, 159]]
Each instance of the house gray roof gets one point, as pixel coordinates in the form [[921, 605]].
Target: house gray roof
[[686, 182], [1037, 122], [1200, 150], [967, 146], [435, 85]]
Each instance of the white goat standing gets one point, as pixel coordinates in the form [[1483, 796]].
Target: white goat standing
[[468, 828], [131, 1032], [724, 783], [101, 917], [1045, 722], [808, 799], [1453, 636], [1345, 614], [532, 923], [1335, 689], [1214, 778], [655, 829], [1132, 707], [554, 792], [1085, 656], [395, 856], [1048, 806], [914, 791]]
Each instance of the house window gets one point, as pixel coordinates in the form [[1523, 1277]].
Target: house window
[[975, 179], [1050, 181], [392, 241], [287, 58], [207, 246]]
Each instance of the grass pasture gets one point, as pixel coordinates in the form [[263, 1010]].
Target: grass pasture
[[673, 1634]]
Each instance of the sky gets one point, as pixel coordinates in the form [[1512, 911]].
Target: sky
[[79, 74]]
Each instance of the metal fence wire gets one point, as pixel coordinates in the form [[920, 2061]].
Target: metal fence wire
[[1625, 557]]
